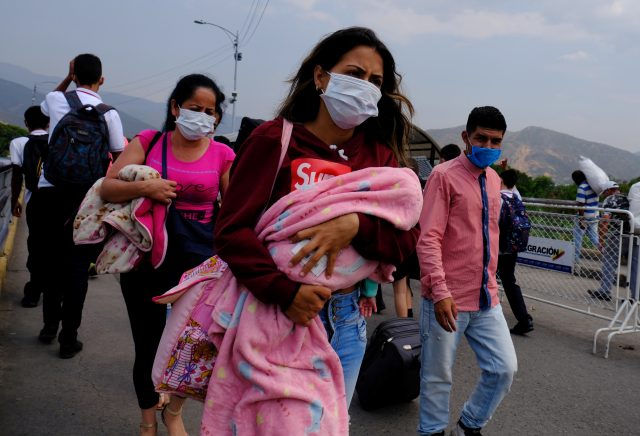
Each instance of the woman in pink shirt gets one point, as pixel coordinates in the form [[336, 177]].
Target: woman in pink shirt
[[194, 170]]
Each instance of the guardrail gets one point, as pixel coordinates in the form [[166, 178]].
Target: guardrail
[[5, 204], [574, 264]]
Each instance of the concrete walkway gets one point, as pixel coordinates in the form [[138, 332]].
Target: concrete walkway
[[560, 389]]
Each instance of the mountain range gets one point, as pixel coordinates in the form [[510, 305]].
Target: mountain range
[[16, 93], [542, 152]]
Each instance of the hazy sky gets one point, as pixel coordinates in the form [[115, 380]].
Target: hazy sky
[[570, 66]]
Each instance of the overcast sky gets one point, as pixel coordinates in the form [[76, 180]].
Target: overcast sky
[[570, 66]]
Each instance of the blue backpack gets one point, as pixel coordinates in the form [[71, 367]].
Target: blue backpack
[[514, 225], [78, 152]]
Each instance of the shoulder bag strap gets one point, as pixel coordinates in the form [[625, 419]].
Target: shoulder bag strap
[[151, 144], [164, 157], [287, 129]]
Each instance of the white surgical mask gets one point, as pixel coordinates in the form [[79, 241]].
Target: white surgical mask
[[350, 101], [194, 125]]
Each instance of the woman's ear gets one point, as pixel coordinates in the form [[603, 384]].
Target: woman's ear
[[320, 78], [175, 109]]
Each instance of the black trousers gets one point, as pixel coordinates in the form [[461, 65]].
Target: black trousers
[[63, 265], [148, 319], [506, 271], [36, 257]]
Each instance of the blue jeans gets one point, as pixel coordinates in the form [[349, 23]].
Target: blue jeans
[[609, 263], [347, 332], [489, 338], [591, 230]]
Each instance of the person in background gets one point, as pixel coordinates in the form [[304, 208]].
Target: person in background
[[348, 114], [449, 152], [55, 205], [609, 236], [587, 219], [402, 293], [27, 167], [197, 168], [507, 260], [458, 254]]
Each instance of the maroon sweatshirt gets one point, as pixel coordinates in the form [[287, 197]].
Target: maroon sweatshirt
[[308, 161]]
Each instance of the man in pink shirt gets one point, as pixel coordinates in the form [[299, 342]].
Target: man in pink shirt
[[458, 254]]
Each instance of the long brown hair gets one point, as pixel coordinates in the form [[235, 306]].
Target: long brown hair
[[392, 126]]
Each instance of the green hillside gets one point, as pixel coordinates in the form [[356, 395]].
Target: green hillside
[[7, 133]]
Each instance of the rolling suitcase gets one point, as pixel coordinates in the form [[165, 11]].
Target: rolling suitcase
[[390, 371]]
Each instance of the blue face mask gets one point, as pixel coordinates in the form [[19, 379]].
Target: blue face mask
[[483, 157]]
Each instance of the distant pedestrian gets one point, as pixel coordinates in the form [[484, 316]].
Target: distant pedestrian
[[194, 170], [80, 139], [402, 292], [610, 234], [458, 254], [587, 219], [449, 152], [512, 205], [26, 160]]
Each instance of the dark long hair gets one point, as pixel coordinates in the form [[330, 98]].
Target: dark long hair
[[392, 125], [184, 90]]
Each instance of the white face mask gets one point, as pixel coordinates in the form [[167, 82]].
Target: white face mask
[[350, 101], [194, 125]]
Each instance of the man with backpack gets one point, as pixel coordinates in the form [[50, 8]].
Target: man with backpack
[[26, 161], [514, 235], [82, 132], [458, 254]]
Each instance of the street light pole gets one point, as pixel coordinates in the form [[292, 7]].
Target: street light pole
[[237, 56], [35, 89]]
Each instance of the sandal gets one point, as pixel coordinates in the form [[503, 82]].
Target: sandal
[[171, 412], [146, 426]]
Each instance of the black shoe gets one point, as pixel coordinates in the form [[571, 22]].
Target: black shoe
[[48, 334], [92, 270], [598, 295], [522, 328], [463, 430], [31, 295], [29, 301], [67, 351]]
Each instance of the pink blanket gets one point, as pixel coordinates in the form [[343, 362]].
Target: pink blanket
[[272, 377]]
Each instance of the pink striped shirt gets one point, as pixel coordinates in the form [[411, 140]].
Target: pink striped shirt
[[450, 247]]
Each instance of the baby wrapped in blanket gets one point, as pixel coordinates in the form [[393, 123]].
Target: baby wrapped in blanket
[[270, 376]]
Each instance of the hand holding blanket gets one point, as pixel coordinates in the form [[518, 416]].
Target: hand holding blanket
[[138, 224]]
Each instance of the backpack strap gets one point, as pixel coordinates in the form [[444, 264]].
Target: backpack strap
[[75, 103], [73, 100], [104, 108]]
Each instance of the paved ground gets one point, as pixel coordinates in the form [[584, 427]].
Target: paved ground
[[560, 389]]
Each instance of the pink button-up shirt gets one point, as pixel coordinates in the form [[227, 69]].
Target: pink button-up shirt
[[450, 247]]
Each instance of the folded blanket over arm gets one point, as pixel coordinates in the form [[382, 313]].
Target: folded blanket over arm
[[131, 228]]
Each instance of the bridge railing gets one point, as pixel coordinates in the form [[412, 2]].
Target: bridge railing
[[5, 204]]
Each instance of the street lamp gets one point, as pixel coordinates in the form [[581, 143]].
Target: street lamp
[[233, 37], [35, 89]]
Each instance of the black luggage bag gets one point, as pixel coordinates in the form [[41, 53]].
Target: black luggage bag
[[390, 371]]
